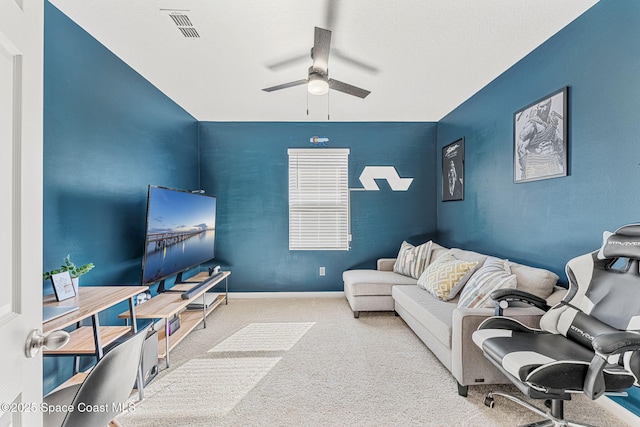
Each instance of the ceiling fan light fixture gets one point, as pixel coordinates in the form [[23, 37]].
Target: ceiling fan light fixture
[[318, 85]]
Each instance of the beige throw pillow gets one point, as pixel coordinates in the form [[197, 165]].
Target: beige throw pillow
[[446, 276], [412, 260]]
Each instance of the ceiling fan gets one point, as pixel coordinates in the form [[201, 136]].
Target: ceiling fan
[[318, 81]]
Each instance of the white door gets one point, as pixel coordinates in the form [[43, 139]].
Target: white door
[[21, 64]]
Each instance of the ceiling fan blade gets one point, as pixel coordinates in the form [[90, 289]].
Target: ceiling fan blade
[[332, 14], [356, 62], [275, 66], [286, 85], [348, 89], [320, 53]]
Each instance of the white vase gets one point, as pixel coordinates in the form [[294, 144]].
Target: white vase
[[75, 281]]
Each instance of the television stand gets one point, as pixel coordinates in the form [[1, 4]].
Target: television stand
[[166, 305]]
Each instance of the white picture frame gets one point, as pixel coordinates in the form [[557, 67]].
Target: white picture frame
[[63, 285]]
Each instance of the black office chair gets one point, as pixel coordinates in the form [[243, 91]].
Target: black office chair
[[105, 390], [588, 343]]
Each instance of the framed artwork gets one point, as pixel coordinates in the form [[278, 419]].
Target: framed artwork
[[63, 286], [540, 139], [453, 171]]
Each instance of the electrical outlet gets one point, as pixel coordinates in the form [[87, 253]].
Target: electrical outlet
[[322, 271]]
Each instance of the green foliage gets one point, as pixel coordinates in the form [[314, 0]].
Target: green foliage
[[70, 267]]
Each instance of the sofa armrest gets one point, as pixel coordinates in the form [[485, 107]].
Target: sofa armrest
[[386, 264], [468, 364]]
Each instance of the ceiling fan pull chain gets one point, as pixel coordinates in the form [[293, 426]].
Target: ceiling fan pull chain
[[328, 107], [307, 103]]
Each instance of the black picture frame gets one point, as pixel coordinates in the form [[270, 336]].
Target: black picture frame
[[453, 171], [63, 286], [540, 143]]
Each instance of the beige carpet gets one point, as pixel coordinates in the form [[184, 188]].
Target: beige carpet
[[308, 362]]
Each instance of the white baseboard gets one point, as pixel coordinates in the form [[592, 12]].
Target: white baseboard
[[240, 295], [619, 411]]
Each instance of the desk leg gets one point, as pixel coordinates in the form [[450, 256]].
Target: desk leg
[[226, 290], [134, 329], [96, 336], [132, 315], [76, 359]]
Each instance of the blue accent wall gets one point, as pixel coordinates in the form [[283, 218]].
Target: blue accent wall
[[108, 134], [546, 223], [246, 166]]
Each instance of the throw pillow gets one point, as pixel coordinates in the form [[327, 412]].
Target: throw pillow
[[412, 260], [494, 274], [446, 276]]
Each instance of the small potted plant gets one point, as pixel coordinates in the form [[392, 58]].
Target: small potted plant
[[74, 270]]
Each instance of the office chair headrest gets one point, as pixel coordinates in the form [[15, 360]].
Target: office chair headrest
[[624, 243]]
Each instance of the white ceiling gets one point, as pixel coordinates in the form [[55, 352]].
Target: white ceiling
[[430, 55]]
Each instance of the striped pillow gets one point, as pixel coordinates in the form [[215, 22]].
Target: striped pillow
[[412, 260], [494, 274]]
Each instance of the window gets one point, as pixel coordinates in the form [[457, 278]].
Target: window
[[319, 199]]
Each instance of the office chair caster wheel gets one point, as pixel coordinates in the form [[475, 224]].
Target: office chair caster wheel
[[488, 401]]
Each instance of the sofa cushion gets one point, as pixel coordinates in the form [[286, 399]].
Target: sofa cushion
[[536, 281], [412, 260], [494, 274], [429, 311], [446, 276], [468, 255], [374, 282], [437, 251]]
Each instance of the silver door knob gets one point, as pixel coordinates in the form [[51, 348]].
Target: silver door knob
[[51, 341]]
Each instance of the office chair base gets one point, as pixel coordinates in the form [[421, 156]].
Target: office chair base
[[554, 417]]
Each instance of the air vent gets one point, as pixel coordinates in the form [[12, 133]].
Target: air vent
[[183, 22]]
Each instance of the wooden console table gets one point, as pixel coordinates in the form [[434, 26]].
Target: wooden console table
[[170, 303]]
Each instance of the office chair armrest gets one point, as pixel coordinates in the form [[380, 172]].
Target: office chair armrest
[[514, 295], [616, 342], [606, 345]]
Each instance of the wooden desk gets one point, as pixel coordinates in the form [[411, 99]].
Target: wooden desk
[[91, 300], [85, 340], [170, 303]]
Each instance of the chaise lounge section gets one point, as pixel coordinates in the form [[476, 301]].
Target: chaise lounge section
[[370, 290]]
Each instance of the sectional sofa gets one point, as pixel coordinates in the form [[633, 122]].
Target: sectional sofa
[[445, 316]]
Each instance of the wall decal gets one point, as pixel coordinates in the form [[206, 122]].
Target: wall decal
[[371, 173], [319, 141]]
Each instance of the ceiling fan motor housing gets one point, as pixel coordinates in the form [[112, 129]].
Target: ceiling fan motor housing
[[318, 82]]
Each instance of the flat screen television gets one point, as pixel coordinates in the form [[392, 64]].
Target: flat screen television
[[180, 233]]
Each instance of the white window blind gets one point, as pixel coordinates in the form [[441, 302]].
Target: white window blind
[[319, 199]]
